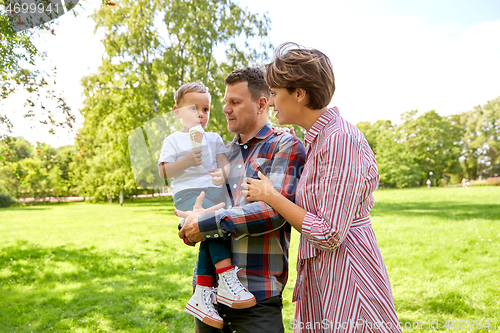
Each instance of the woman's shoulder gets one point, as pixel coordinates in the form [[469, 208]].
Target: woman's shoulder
[[339, 127]]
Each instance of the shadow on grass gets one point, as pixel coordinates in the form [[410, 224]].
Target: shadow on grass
[[61, 288], [442, 209]]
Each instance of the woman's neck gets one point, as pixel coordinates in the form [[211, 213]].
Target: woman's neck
[[310, 117]]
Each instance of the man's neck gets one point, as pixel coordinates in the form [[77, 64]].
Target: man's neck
[[245, 137]]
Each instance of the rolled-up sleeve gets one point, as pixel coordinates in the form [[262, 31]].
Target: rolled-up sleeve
[[339, 175]]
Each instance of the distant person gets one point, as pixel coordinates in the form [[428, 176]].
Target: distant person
[[194, 173], [465, 184], [341, 275], [429, 183]]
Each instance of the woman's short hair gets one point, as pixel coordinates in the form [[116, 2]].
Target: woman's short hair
[[296, 67], [254, 76], [187, 88]]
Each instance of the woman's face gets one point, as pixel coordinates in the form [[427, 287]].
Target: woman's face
[[285, 105]]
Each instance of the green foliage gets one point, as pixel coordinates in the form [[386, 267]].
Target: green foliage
[[462, 145], [38, 172], [6, 200], [152, 47], [18, 62]]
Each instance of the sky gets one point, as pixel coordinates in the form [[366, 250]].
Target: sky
[[388, 56]]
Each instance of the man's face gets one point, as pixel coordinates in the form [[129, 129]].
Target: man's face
[[240, 110]]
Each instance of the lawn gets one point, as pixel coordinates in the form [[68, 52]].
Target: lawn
[[82, 267]]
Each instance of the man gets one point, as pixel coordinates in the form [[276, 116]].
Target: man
[[260, 237]]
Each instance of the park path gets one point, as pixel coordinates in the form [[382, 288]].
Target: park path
[[77, 199]]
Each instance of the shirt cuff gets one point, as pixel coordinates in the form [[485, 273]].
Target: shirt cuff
[[307, 224], [215, 225]]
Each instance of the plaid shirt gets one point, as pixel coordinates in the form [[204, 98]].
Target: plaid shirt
[[261, 237]]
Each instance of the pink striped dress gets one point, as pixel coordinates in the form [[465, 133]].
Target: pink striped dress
[[342, 282]]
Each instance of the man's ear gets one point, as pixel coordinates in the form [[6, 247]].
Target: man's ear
[[176, 112], [262, 104]]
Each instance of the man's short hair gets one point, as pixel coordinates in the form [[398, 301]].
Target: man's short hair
[[187, 88], [254, 76], [296, 67]]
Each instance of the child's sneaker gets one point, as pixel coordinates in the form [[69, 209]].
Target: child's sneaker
[[201, 305], [232, 293]]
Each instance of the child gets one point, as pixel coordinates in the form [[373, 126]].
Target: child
[[194, 171]]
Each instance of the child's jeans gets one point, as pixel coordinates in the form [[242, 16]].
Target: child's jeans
[[211, 250]]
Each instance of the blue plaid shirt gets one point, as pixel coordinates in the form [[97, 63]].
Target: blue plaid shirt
[[260, 236]]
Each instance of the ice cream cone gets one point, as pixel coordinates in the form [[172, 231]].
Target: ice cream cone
[[196, 134]]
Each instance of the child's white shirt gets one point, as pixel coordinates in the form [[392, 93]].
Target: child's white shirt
[[177, 145]]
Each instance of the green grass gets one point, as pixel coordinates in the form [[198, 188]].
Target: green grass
[[104, 268]]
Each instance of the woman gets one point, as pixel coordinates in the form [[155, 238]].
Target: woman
[[342, 282]]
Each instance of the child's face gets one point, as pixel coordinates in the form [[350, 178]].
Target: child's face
[[193, 109]]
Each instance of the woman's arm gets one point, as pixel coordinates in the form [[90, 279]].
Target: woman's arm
[[338, 191], [263, 190]]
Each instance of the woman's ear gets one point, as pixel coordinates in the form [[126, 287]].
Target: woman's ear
[[300, 94]]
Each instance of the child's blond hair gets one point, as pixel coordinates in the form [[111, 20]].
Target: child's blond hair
[[187, 88]]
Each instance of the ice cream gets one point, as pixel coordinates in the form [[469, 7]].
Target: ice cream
[[196, 134]]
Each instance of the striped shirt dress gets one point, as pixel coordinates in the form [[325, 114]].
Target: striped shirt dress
[[342, 282]]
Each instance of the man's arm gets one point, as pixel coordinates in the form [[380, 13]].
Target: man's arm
[[256, 218]]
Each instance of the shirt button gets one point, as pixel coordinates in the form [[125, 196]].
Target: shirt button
[[245, 146], [216, 235], [235, 186], [239, 166]]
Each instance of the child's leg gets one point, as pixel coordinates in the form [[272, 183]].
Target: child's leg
[[230, 292], [205, 273], [201, 303], [220, 254]]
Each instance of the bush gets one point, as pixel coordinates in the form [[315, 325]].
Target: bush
[[493, 181], [6, 200]]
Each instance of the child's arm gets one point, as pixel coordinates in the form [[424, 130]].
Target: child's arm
[[224, 167], [173, 169]]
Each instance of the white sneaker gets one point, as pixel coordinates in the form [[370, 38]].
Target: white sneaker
[[201, 305], [232, 293]]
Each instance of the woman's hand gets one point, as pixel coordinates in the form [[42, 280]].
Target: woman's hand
[[261, 189], [281, 130]]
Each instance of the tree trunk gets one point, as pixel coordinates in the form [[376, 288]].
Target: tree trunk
[[121, 197]]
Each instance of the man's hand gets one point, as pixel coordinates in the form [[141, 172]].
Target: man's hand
[[217, 176], [194, 158], [191, 230]]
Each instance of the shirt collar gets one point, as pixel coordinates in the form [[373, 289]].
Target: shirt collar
[[318, 125], [263, 133]]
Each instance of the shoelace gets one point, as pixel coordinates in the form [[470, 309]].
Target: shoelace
[[234, 282], [209, 296]]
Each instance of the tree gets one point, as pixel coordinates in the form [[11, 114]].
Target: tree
[[481, 140], [372, 132], [434, 143], [19, 71], [152, 47]]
